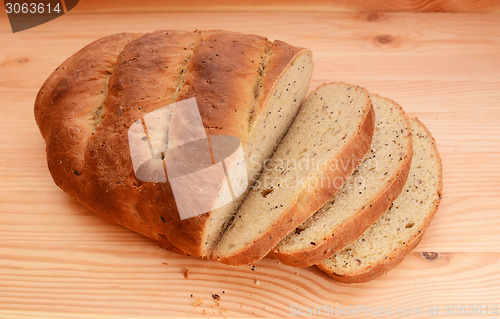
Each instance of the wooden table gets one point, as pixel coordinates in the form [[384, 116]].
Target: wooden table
[[59, 260]]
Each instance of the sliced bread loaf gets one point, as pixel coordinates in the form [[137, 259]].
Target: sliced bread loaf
[[366, 195], [400, 228], [329, 137], [245, 86]]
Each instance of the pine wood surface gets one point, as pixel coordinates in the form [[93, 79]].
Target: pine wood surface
[[465, 6], [58, 260]]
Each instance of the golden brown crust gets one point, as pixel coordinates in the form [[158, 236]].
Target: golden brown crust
[[353, 228], [145, 78], [67, 105], [398, 255], [124, 77], [218, 90], [224, 96], [312, 198]]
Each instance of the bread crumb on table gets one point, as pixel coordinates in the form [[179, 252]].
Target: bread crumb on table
[[217, 305], [197, 302]]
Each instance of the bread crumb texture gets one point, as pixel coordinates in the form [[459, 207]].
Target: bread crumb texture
[[390, 151], [328, 120], [404, 222]]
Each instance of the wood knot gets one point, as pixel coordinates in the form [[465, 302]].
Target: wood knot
[[23, 60], [384, 39], [430, 255], [374, 16]]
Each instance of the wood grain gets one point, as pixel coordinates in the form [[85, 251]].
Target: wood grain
[[57, 260], [289, 5]]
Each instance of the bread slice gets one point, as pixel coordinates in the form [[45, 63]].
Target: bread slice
[[327, 140], [366, 195], [245, 86], [401, 227]]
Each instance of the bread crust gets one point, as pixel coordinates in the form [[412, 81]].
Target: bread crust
[[312, 198], [85, 108], [357, 224], [398, 255], [377, 270], [65, 111]]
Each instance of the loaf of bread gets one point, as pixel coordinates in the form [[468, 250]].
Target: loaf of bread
[[371, 189], [317, 181], [244, 85], [330, 135], [401, 227]]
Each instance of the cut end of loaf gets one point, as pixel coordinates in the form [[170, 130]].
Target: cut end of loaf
[[294, 186], [368, 192]]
